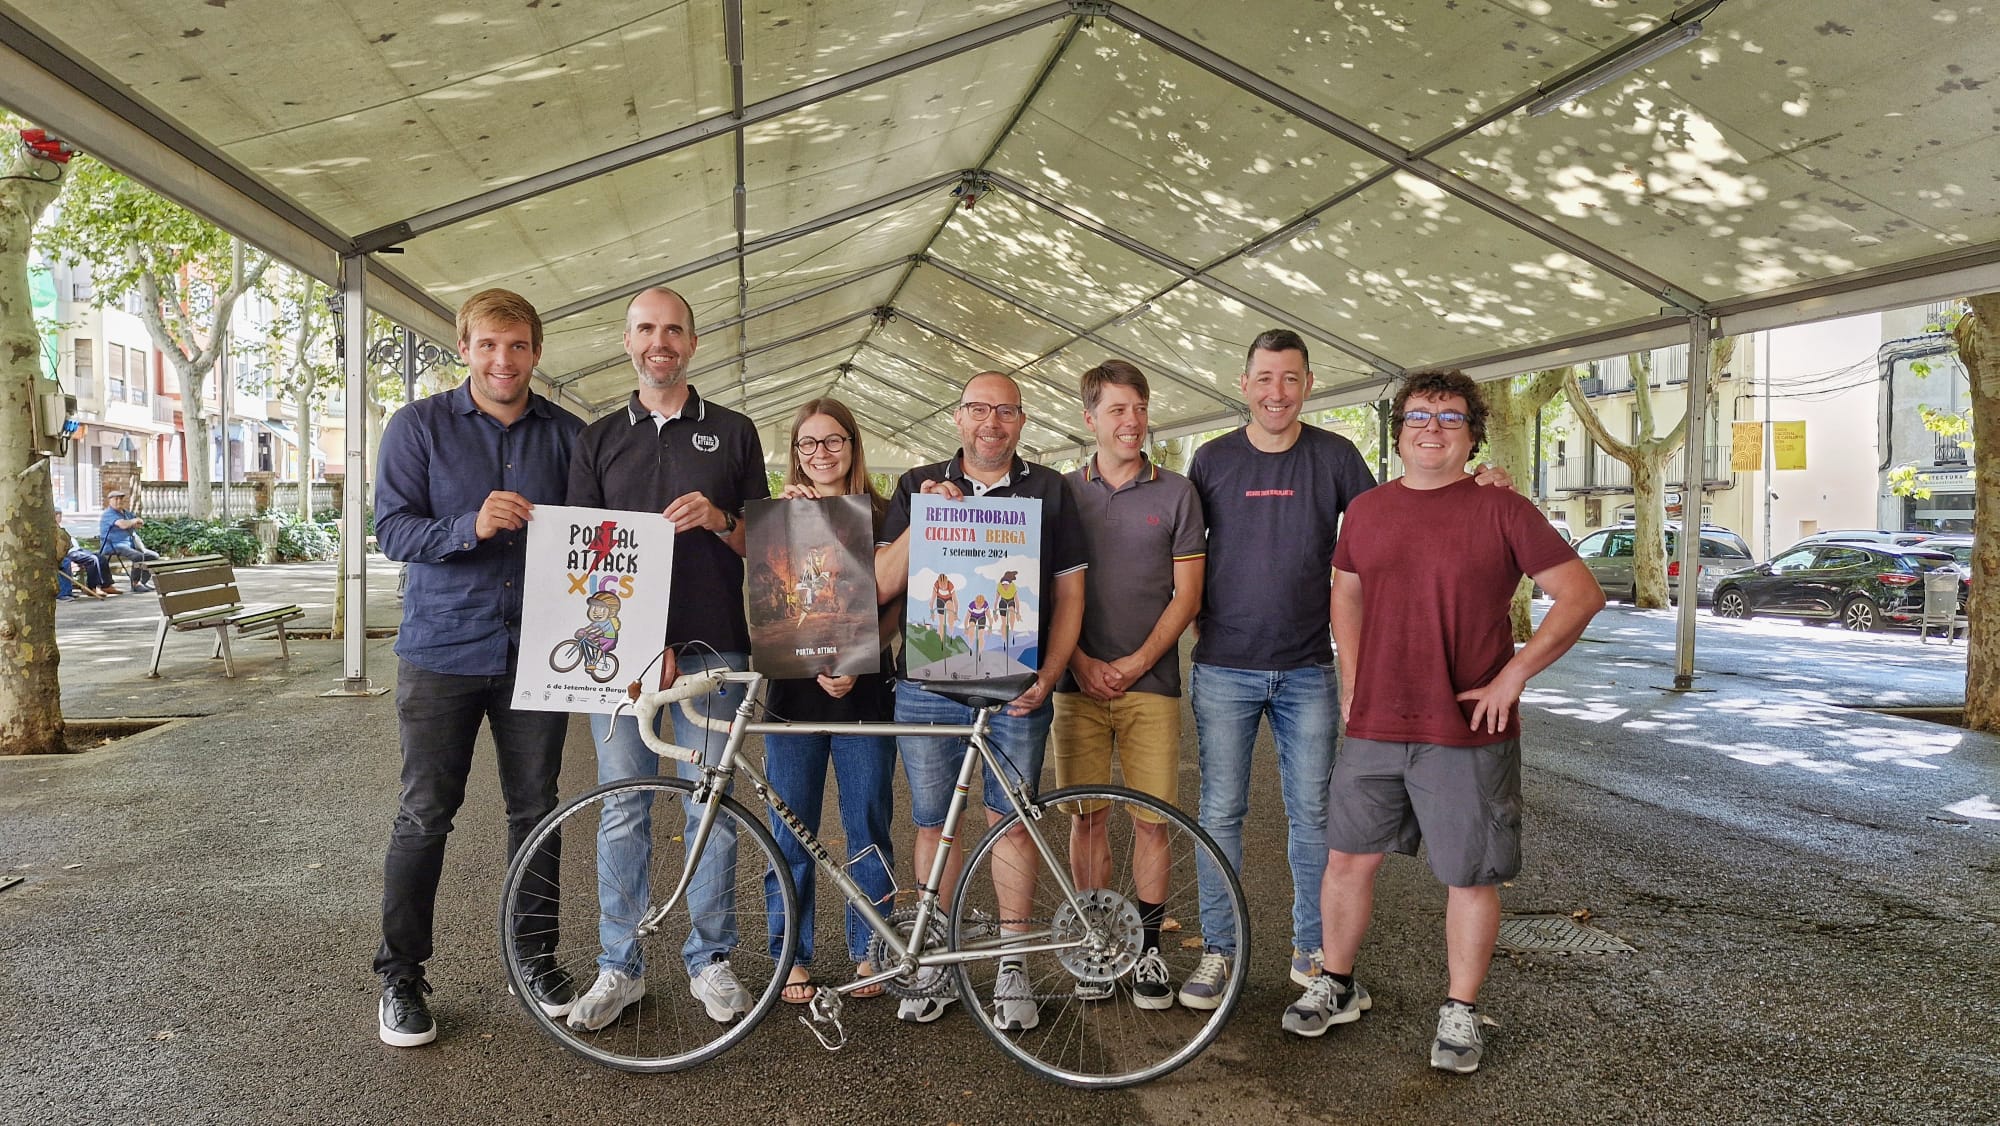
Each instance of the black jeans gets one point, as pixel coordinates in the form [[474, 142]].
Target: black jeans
[[438, 718]]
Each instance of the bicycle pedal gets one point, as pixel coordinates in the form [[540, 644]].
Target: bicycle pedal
[[824, 1009]]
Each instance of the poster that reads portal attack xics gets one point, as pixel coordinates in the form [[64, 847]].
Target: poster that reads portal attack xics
[[975, 588], [598, 586]]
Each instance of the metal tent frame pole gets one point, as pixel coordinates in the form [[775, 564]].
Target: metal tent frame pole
[[354, 500]]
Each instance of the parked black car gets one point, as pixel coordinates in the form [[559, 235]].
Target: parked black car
[[1862, 586]]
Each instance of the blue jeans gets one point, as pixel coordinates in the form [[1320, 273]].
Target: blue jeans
[[931, 762], [1304, 707], [865, 766], [625, 837]]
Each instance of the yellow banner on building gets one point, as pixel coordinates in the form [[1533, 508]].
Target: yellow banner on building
[[1788, 444], [1746, 449]]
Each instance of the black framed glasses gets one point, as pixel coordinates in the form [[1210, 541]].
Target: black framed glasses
[[832, 443], [1005, 412], [1448, 420]]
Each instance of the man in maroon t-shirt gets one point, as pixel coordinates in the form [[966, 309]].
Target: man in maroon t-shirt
[[1430, 687]]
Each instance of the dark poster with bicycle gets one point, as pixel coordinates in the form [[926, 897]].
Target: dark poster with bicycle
[[811, 567], [595, 607]]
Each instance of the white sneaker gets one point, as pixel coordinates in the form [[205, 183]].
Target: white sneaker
[[719, 992], [923, 1010], [607, 998], [1203, 987], [1014, 1008]]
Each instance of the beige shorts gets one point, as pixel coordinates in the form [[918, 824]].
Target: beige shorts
[[1142, 728]]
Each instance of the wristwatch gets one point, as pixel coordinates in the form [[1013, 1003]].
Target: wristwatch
[[728, 522]]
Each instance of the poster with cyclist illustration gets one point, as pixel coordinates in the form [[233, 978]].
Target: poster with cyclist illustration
[[975, 588], [596, 607]]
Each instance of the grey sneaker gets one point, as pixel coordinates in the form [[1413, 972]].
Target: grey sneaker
[[719, 992], [1458, 1044], [1306, 965], [923, 1010], [607, 998], [1014, 1008], [1325, 1005], [1151, 987], [1203, 988]]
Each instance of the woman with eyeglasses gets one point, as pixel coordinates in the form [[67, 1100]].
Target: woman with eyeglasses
[[827, 462]]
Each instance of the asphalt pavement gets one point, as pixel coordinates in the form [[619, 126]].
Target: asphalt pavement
[[1809, 892]]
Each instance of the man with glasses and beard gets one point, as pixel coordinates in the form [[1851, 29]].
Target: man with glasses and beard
[[990, 419]]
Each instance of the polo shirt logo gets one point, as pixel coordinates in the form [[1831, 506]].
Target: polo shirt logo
[[707, 443]]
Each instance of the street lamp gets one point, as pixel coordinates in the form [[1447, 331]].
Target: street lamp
[[414, 355], [127, 448]]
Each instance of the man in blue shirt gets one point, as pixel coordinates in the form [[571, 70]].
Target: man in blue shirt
[[459, 476], [118, 536]]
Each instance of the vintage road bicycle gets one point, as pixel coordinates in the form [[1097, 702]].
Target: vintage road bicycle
[[1083, 924]]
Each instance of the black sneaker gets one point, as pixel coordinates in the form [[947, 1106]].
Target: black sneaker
[[404, 1015], [550, 985]]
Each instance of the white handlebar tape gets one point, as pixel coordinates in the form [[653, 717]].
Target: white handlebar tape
[[647, 709]]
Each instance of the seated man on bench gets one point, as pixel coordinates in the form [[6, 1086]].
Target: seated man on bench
[[118, 532]]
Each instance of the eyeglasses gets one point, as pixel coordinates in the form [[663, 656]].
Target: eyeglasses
[[832, 443], [1006, 412], [1448, 420]]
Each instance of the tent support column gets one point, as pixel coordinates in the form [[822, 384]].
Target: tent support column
[[354, 500], [1694, 480]]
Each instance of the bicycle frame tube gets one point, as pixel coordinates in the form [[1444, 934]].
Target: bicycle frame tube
[[978, 752]]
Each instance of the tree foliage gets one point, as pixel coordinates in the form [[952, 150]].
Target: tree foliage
[[188, 273]]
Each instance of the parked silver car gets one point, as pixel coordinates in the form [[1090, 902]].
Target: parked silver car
[[1608, 554]]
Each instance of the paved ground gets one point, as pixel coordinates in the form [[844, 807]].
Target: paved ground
[[1810, 892]]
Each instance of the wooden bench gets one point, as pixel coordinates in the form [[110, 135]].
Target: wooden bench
[[200, 593]]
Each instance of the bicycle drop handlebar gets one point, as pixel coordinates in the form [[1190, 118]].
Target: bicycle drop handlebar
[[648, 706]]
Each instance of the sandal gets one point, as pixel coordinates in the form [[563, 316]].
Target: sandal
[[866, 969], [800, 988]]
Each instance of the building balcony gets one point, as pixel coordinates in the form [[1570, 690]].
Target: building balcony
[[1598, 472], [1947, 450]]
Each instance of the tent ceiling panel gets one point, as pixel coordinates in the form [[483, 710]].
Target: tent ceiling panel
[[1408, 72], [1047, 262], [590, 237], [789, 43], [859, 242], [401, 105], [1418, 275], [605, 389], [597, 334], [794, 319], [930, 386], [1161, 150], [879, 138], [1010, 334], [1731, 194]]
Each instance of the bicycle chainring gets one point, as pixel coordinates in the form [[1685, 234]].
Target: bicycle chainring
[[937, 983]]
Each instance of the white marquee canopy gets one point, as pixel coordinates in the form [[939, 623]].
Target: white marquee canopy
[[876, 200]]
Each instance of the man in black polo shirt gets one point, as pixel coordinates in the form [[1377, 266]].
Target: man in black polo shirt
[[990, 418], [696, 463]]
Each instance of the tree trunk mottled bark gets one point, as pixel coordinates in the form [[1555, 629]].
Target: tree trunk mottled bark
[[31, 720], [1978, 337], [1511, 407]]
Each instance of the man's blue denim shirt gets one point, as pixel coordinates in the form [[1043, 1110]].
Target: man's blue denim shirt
[[440, 458]]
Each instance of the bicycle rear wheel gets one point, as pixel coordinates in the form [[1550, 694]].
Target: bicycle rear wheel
[[549, 920], [1123, 1038]]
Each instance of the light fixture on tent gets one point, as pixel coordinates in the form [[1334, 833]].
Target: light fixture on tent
[[1614, 68], [970, 189], [1130, 315], [1304, 226]]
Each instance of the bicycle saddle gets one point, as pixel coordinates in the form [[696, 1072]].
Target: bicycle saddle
[[984, 692]]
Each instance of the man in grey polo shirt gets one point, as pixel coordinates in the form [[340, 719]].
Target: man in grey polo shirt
[[1147, 544]]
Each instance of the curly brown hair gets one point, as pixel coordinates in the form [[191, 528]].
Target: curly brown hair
[[1437, 385]]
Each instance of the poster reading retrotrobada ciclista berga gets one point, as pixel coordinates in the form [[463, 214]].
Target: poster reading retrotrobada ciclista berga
[[975, 588], [596, 608]]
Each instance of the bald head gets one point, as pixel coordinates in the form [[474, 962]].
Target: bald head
[[659, 337], [990, 441]]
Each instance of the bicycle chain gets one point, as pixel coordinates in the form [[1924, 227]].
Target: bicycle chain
[[924, 984]]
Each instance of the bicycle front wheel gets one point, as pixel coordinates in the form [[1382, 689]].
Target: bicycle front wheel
[[594, 872], [566, 655], [1100, 1013]]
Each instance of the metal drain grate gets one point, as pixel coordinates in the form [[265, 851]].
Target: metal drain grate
[[1555, 932]]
